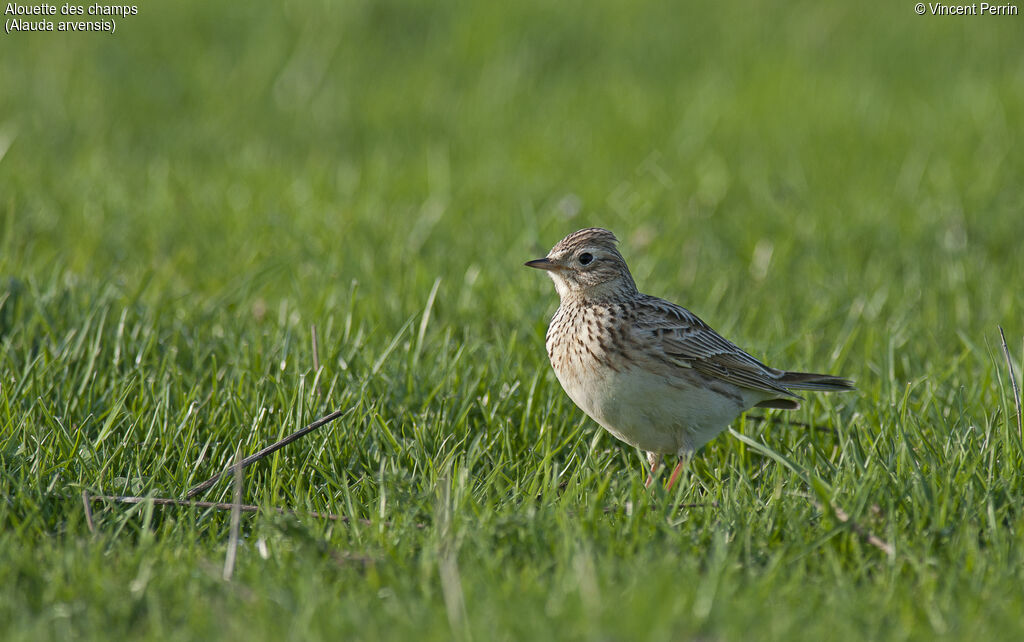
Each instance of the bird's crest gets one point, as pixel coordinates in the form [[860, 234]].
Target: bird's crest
[[587, 236]]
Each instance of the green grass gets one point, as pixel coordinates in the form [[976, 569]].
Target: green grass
[[834, 187]]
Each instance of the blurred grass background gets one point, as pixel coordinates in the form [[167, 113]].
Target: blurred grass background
[[834, 187]]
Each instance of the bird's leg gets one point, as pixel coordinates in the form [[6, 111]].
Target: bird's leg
[[684, 458], [654, 459]]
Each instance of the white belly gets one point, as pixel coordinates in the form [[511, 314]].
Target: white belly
[[651, 412]]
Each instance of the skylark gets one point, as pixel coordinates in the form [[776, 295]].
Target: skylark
[[648, 371]]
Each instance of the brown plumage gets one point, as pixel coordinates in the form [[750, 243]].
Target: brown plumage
[[651, 372]]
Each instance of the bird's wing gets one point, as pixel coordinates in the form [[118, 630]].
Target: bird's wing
[[678, 337]]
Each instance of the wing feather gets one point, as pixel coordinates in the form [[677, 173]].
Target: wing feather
[[683, 339]]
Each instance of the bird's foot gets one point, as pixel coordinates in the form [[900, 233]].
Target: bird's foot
[[654, 460]]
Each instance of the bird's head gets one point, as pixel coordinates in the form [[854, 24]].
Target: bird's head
[[587, 265]]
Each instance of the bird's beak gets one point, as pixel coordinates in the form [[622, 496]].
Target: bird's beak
[[542, 264]]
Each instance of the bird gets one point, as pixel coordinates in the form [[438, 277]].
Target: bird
[[648, 371]]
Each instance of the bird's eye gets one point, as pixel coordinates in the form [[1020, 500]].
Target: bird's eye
[[586, 258]]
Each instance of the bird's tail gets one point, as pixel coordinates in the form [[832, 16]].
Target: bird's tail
[[811, 381]]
